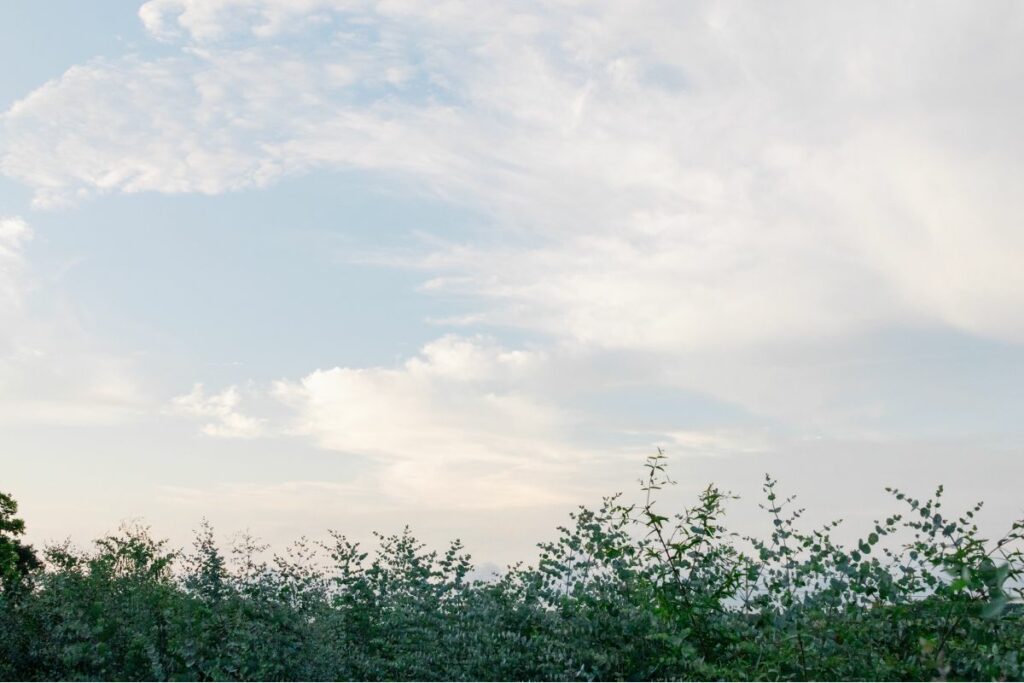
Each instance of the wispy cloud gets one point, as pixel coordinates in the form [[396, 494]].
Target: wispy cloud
[[718, 187], [223, 411], [50, 370], [14, 234], [681, 175]]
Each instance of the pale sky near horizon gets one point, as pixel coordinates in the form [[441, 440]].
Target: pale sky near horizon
[[293, 265]]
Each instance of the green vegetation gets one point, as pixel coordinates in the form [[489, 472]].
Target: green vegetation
[[624, 592]]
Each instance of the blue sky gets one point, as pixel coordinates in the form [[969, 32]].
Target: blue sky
[[345, 264]]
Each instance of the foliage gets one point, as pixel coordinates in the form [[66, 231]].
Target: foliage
[[623, 592], [17, 560]]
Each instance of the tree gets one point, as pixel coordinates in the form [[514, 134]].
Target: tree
[[17, 560]]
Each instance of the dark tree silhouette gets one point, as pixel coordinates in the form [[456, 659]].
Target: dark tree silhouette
[[17, 560]]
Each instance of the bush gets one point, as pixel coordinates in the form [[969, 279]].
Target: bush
[[623, 592]]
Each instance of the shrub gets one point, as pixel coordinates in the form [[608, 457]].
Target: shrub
[[622, 592]]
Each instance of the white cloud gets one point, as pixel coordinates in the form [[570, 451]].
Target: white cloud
[[460, 425], [452, 424], [687, 174], [222, 408], [206, 20], [689, 181], [14, 232], [716, 443], [458, 396]]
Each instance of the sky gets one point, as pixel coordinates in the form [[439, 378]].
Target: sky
[[291, 265]]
